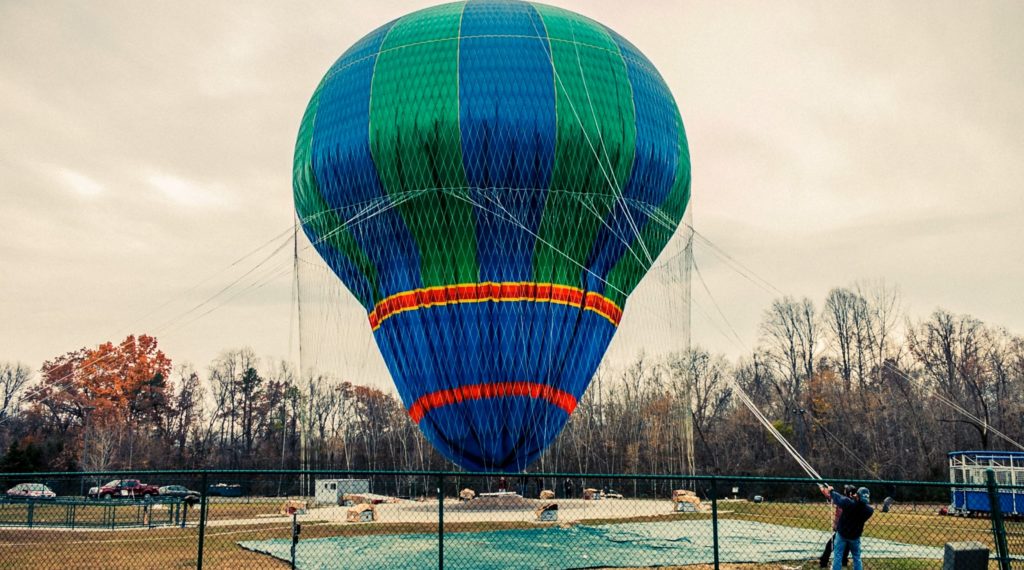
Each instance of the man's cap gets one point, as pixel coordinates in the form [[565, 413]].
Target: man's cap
[[865, 495]]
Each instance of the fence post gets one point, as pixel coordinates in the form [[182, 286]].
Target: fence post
[[295, 534], [998, 529], [202, 520], [714, 517], [440, 522]]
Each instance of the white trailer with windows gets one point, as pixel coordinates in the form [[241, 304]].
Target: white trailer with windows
[[330, 491]]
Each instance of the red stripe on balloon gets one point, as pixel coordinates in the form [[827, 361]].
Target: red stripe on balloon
[[442, 398], [497, 293]]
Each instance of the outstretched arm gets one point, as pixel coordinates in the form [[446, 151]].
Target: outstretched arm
[[841, 501]]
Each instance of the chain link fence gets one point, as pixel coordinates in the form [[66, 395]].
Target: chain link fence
[[377, 519]]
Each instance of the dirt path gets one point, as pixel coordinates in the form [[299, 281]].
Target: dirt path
[[569, 511]]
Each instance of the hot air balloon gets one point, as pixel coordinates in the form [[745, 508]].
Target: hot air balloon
[[491, 179]]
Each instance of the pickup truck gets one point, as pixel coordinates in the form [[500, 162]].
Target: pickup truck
[[124, 489]]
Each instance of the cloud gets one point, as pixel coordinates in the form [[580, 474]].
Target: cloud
[[189, 193], [80, 183], [831, 143]]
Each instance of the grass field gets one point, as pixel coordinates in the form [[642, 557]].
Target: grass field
[[177, 548], [926, 529]]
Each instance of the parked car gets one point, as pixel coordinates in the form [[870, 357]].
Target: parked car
[[181, 492], [224, 490], [31, 491], [124, 489]]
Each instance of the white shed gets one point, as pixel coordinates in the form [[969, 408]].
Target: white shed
[[330, 491]]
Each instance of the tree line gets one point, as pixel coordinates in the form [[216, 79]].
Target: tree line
[[858, 387]]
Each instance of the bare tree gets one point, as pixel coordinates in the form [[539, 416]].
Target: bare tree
[[13, 378], [187, 409], [790, 334], [711, 395], [883, 316], [102, 447], [950, 350], [226, 381], [842, 309]]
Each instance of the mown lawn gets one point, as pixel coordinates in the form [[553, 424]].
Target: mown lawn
[[923, 528], [178, 548]]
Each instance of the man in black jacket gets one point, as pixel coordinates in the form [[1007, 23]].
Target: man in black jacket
[[850, 526], [823, 561]]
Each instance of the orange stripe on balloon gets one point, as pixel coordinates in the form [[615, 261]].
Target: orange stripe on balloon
[[495, 293], [424, 404]]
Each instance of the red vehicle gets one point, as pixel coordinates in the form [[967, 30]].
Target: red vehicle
[[124, 489]]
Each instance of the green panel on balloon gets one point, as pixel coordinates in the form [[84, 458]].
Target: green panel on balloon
[[416, 143], [308, 206], [327, 231], [596, 139]]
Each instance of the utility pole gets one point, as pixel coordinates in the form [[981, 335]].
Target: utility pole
[[689, 462], [303, 416]]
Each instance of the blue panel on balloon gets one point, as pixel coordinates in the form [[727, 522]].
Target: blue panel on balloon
[[507, 119], [348, 179]]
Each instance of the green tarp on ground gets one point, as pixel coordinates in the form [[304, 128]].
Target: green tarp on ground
[[606, 546]]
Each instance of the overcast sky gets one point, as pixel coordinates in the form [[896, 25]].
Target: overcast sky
[[147, 146]]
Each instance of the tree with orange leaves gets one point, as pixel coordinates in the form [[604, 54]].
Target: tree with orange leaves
[[121, 385], [127, 380]]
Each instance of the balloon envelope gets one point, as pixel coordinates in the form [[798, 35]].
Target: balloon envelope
[[491, 179]]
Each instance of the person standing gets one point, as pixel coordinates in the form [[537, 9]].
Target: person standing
[[567, 487], [850, 526], [849, 491]]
